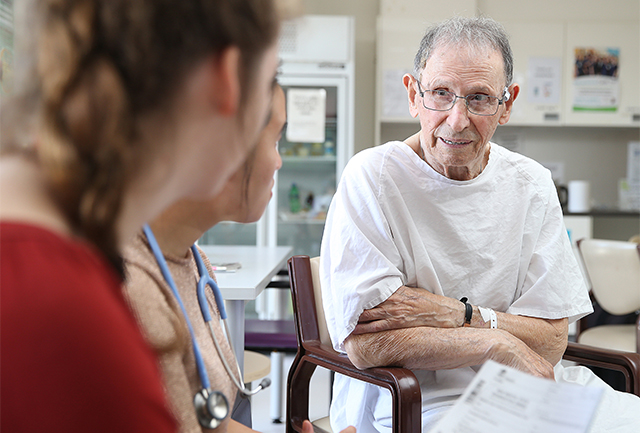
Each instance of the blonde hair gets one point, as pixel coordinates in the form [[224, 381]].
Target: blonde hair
[[91, 68]]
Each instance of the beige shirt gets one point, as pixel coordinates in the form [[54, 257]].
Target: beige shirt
[[165, 328]]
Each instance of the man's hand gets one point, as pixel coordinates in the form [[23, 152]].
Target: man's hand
[[427, 348], [410, 307], [308, 428], [512, 351]]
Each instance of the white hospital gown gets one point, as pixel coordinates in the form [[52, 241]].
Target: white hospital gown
[[498, 239]]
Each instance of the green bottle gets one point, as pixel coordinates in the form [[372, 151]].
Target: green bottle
[[294, 199]]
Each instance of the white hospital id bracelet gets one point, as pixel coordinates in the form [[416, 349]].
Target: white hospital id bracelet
[[488, 315]]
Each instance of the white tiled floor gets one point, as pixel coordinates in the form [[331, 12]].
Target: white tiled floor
[[318, 407]]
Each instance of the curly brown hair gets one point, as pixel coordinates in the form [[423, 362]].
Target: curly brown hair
[[97, 66]]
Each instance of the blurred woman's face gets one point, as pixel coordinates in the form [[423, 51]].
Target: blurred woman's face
[[218, 131], [266, 161], [248, 191], [259, 101]]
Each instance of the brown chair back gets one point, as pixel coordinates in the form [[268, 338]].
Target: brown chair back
[[315, 349]]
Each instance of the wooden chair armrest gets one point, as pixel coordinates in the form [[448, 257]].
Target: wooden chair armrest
[[627, 363], [401, 383], [395, 379]]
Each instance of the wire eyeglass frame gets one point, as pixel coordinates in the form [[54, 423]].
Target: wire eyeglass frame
[[446, 93]]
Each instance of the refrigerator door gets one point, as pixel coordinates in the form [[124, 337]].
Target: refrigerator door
[[317, 53], [310, 169]]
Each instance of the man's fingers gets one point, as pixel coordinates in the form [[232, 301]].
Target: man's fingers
[[367, 316], [307, 427], [370, 327]]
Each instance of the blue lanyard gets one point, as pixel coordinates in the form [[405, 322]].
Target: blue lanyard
[[162, 263]]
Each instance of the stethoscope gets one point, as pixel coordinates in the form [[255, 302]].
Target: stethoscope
[[212, 407]]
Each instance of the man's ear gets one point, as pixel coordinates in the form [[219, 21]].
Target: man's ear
[[514, 90], [409, 84], [226, 81]]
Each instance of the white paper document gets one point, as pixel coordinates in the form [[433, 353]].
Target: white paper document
[[306, 115], [501, 399]]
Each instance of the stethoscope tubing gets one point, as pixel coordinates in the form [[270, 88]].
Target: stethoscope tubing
[[164, 269], [204, 281]]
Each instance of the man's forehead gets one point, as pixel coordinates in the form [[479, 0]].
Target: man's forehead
[[452, 52], [451, 49]]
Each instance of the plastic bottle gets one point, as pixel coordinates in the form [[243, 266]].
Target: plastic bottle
[[294, 199], [329, 148]]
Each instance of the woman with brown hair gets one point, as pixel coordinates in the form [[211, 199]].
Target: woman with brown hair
[[120, 108], [158, 309]]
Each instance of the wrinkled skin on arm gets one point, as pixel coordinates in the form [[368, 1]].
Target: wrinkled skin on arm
[[417, 329]]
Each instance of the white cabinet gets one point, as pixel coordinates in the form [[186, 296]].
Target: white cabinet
[[398, 40], [578, 227], [535, 43], [314, 168], [538, 50], [317, 40]]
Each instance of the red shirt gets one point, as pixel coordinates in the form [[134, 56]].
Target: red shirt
[[72, 357]]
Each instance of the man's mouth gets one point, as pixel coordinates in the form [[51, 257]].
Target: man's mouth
[[455, 142]]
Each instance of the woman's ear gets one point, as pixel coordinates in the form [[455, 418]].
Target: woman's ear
[[409, 84], [226, 81], [514, 90]]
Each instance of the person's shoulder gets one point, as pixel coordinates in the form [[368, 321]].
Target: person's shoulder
[[142, 272], [37, 257], [150, 298], [64, 285], [525, 166], [138, 253], [374, 152], [374, 158]]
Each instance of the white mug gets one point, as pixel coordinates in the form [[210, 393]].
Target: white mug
[[579, 196]]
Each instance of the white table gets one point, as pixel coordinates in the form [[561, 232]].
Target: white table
[[259, 265]]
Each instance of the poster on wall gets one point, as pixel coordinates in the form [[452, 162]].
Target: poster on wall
[[595, 79], [545, 80]]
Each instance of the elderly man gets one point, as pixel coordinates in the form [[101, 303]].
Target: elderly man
[[445, 250]]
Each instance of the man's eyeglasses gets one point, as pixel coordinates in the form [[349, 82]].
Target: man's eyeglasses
[[477, 103]]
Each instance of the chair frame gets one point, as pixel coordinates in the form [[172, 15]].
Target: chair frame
[[628, 363], [401, 382]]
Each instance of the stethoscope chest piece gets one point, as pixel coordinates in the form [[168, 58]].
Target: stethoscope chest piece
[[211, 408]]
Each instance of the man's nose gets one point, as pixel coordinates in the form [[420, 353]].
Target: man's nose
[[458, 117]]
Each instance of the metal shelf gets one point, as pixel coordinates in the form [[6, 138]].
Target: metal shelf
[[308, 159]]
